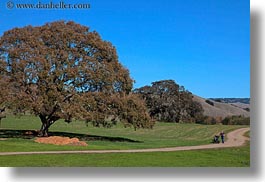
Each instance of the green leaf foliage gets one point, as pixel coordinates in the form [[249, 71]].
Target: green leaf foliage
[[167, 101]]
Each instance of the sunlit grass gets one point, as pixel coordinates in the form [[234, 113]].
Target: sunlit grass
[[162, 135], [227, 157]]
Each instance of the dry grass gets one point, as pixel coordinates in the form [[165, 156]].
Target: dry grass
[[220, 109]]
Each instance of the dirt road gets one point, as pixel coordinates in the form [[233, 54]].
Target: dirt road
[[234, 139]]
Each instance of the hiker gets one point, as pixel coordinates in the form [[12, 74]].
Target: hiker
[[222, 134], [216, 139]]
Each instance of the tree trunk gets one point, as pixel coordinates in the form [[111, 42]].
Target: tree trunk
[[44, 130], [46, 123]]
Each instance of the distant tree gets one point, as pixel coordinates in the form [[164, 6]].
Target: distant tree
[[247, 109], [167, 101], [209, 102], [218, 100], [209, 120], [52, 71], [194, 111], [236, 120]]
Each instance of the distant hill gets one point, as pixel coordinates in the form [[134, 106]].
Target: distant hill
[[224, 107], [232, 100]]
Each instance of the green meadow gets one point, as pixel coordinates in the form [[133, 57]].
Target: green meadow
[[13, 138]]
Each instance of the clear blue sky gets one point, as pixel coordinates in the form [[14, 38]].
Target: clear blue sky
[[203, 45]]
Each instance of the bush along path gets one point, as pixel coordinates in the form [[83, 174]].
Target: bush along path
[[235, 138]]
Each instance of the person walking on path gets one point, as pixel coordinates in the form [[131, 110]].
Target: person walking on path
[[222, 134]]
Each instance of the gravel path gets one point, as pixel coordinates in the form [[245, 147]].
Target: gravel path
[[234, 139]]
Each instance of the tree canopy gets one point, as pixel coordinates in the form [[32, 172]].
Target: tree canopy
[[167, 101], [61, 70]]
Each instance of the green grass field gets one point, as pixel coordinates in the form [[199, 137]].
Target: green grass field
[[198, 158], [118, 137]]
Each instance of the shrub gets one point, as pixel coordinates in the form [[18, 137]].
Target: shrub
[[209, 102], [247, 109], [208, 120], [236, 120]]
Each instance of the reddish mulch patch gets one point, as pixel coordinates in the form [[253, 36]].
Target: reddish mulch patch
[[31, 133], [57, 140]]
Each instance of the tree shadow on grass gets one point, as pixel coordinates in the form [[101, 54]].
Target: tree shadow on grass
[[29, 134]]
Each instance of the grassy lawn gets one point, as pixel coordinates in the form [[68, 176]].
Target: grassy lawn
[[118, 137], [196, 158]]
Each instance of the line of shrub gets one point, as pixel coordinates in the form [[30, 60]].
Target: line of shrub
[[229, 120]]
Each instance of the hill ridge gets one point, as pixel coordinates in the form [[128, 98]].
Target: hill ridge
[[220, 109]]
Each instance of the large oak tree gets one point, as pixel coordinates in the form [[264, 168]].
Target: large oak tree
[[62, 70], [170, 102]]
